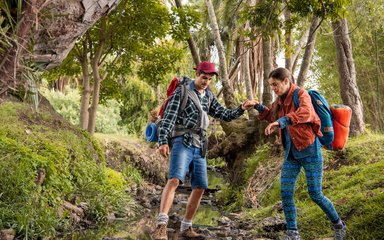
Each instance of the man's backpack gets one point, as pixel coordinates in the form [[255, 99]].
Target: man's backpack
[[334, 120], [151, 132]]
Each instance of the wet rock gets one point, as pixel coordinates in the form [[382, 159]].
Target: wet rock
[[40, 176], [225, 232], [245, 225], [224, 221], [155, 201], [84, 206], [140, 192], [273, 224], [77, 213], [147, 204], [234, 215], [176, 201]]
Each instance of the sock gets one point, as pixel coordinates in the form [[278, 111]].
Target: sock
[[291, 232], [337, 222], [185, 224], [162, 219]]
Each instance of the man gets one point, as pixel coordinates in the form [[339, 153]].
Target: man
[[189, 143]]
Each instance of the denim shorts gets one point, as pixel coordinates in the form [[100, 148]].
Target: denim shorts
[[185, 158]]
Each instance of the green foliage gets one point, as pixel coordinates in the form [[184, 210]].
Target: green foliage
[[69, 67], [157, 62], [182, 20], [10, 13], [264, 16], [68, 105], [262, 154], [137, 101], [320, 8], [206, 216], [365, 20], [231, 199], [324, 74], [218, 162], [74, 168], [132, 175]]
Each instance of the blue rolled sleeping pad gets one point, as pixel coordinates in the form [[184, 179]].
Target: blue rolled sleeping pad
[[151, 134]]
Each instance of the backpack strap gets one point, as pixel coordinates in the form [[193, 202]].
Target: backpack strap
[[296, 97], [183, 98], [210, 99], [187, 92]]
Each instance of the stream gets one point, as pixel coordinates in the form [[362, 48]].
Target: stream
[[208, 220]]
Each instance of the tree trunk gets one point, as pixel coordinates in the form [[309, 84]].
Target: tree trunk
[[302, 41], [347, 75], [258, 65], [247, 74], [267, 68], [227, 90], [54, 40], [96, 77], [10, 63], [95, 100], [288, 41], [191, 43], [85, 93], [309, 49], [71, 20]]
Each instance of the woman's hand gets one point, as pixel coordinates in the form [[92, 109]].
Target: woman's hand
[[271, 128]]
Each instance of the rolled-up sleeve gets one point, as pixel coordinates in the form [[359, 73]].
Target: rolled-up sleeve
[[283, 122]]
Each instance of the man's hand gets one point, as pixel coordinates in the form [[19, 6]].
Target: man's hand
[[247, 104], [271, 128], [164, 150]]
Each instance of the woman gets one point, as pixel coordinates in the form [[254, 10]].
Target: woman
[[299, 131]]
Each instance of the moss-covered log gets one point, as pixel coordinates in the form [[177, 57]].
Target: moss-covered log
[[241, 139]]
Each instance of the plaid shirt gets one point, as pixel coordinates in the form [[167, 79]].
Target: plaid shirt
[[191, 112]]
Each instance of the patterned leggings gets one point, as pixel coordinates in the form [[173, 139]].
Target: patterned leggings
[[313, 167]]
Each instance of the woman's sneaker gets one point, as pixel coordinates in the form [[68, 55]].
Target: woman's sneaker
[[292, 235], [340, 230]]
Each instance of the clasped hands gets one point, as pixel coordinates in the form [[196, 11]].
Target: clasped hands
[[247, 104]]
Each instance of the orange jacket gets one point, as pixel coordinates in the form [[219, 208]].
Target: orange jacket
[[305, 123]]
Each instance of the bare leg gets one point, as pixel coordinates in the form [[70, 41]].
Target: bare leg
[[168, 195], [193, 203]]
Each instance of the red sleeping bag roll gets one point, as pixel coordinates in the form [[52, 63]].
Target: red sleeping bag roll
[[341, 119]]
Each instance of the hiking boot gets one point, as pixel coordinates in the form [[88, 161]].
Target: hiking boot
[[292, 235], [160, 232], [340, 230], [189, 233]]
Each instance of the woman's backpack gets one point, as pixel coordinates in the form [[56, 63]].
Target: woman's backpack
[[335, 120]]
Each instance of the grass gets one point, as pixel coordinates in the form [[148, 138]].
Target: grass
[[74, 168]]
